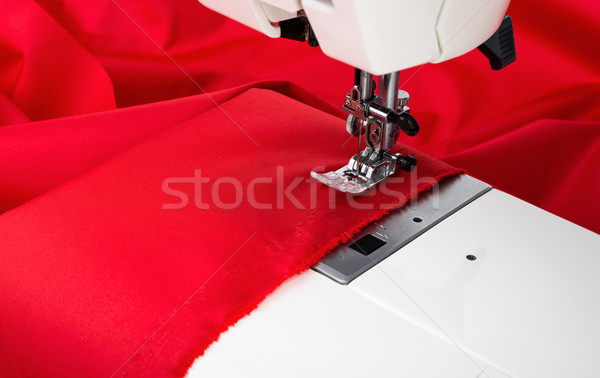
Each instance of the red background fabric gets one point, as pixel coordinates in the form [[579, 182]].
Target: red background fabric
[[531, 129], [72, 72]]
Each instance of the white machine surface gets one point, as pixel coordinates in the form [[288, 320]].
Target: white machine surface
[[527, 306]]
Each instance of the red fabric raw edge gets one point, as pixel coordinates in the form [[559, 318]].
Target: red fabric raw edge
[[92, 269], [310, 261], [306, 264]]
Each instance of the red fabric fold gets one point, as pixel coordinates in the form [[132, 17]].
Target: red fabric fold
[[90, 266], [45, 72], [159, 51], [124, 275], [37, 157]]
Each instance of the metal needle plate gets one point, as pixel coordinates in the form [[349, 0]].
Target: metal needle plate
[[401, 226]]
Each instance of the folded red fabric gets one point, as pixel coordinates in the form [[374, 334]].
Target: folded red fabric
[[66, 57], [39, 156], [139, 264], [46, 73], [91, 269]]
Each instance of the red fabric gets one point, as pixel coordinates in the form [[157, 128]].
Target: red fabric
[[490, 123], [115, 281], [532, 129]]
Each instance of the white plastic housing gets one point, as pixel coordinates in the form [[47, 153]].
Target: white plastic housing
[[379, 36], [527, 306]]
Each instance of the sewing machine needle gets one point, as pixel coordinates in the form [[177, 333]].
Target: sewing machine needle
[[358, 153]]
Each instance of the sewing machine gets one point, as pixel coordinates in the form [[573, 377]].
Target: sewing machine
[[479, 284], [380, 38]]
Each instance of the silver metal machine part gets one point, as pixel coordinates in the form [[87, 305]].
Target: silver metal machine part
[[399, 228], [380, 118], [388, 90]]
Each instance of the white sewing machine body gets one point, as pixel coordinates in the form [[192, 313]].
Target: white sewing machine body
[[527, 306], [379, 36], [486, 286]]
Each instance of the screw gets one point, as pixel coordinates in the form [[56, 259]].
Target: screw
[[374, 137]]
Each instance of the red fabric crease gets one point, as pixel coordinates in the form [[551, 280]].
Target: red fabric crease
[[60, 149], [86, 87], [109, 265], [460, 104]]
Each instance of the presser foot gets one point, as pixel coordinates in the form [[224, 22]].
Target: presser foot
[[372, 169]]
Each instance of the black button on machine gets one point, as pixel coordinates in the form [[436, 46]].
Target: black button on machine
[[500, 47], [367, 244]]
